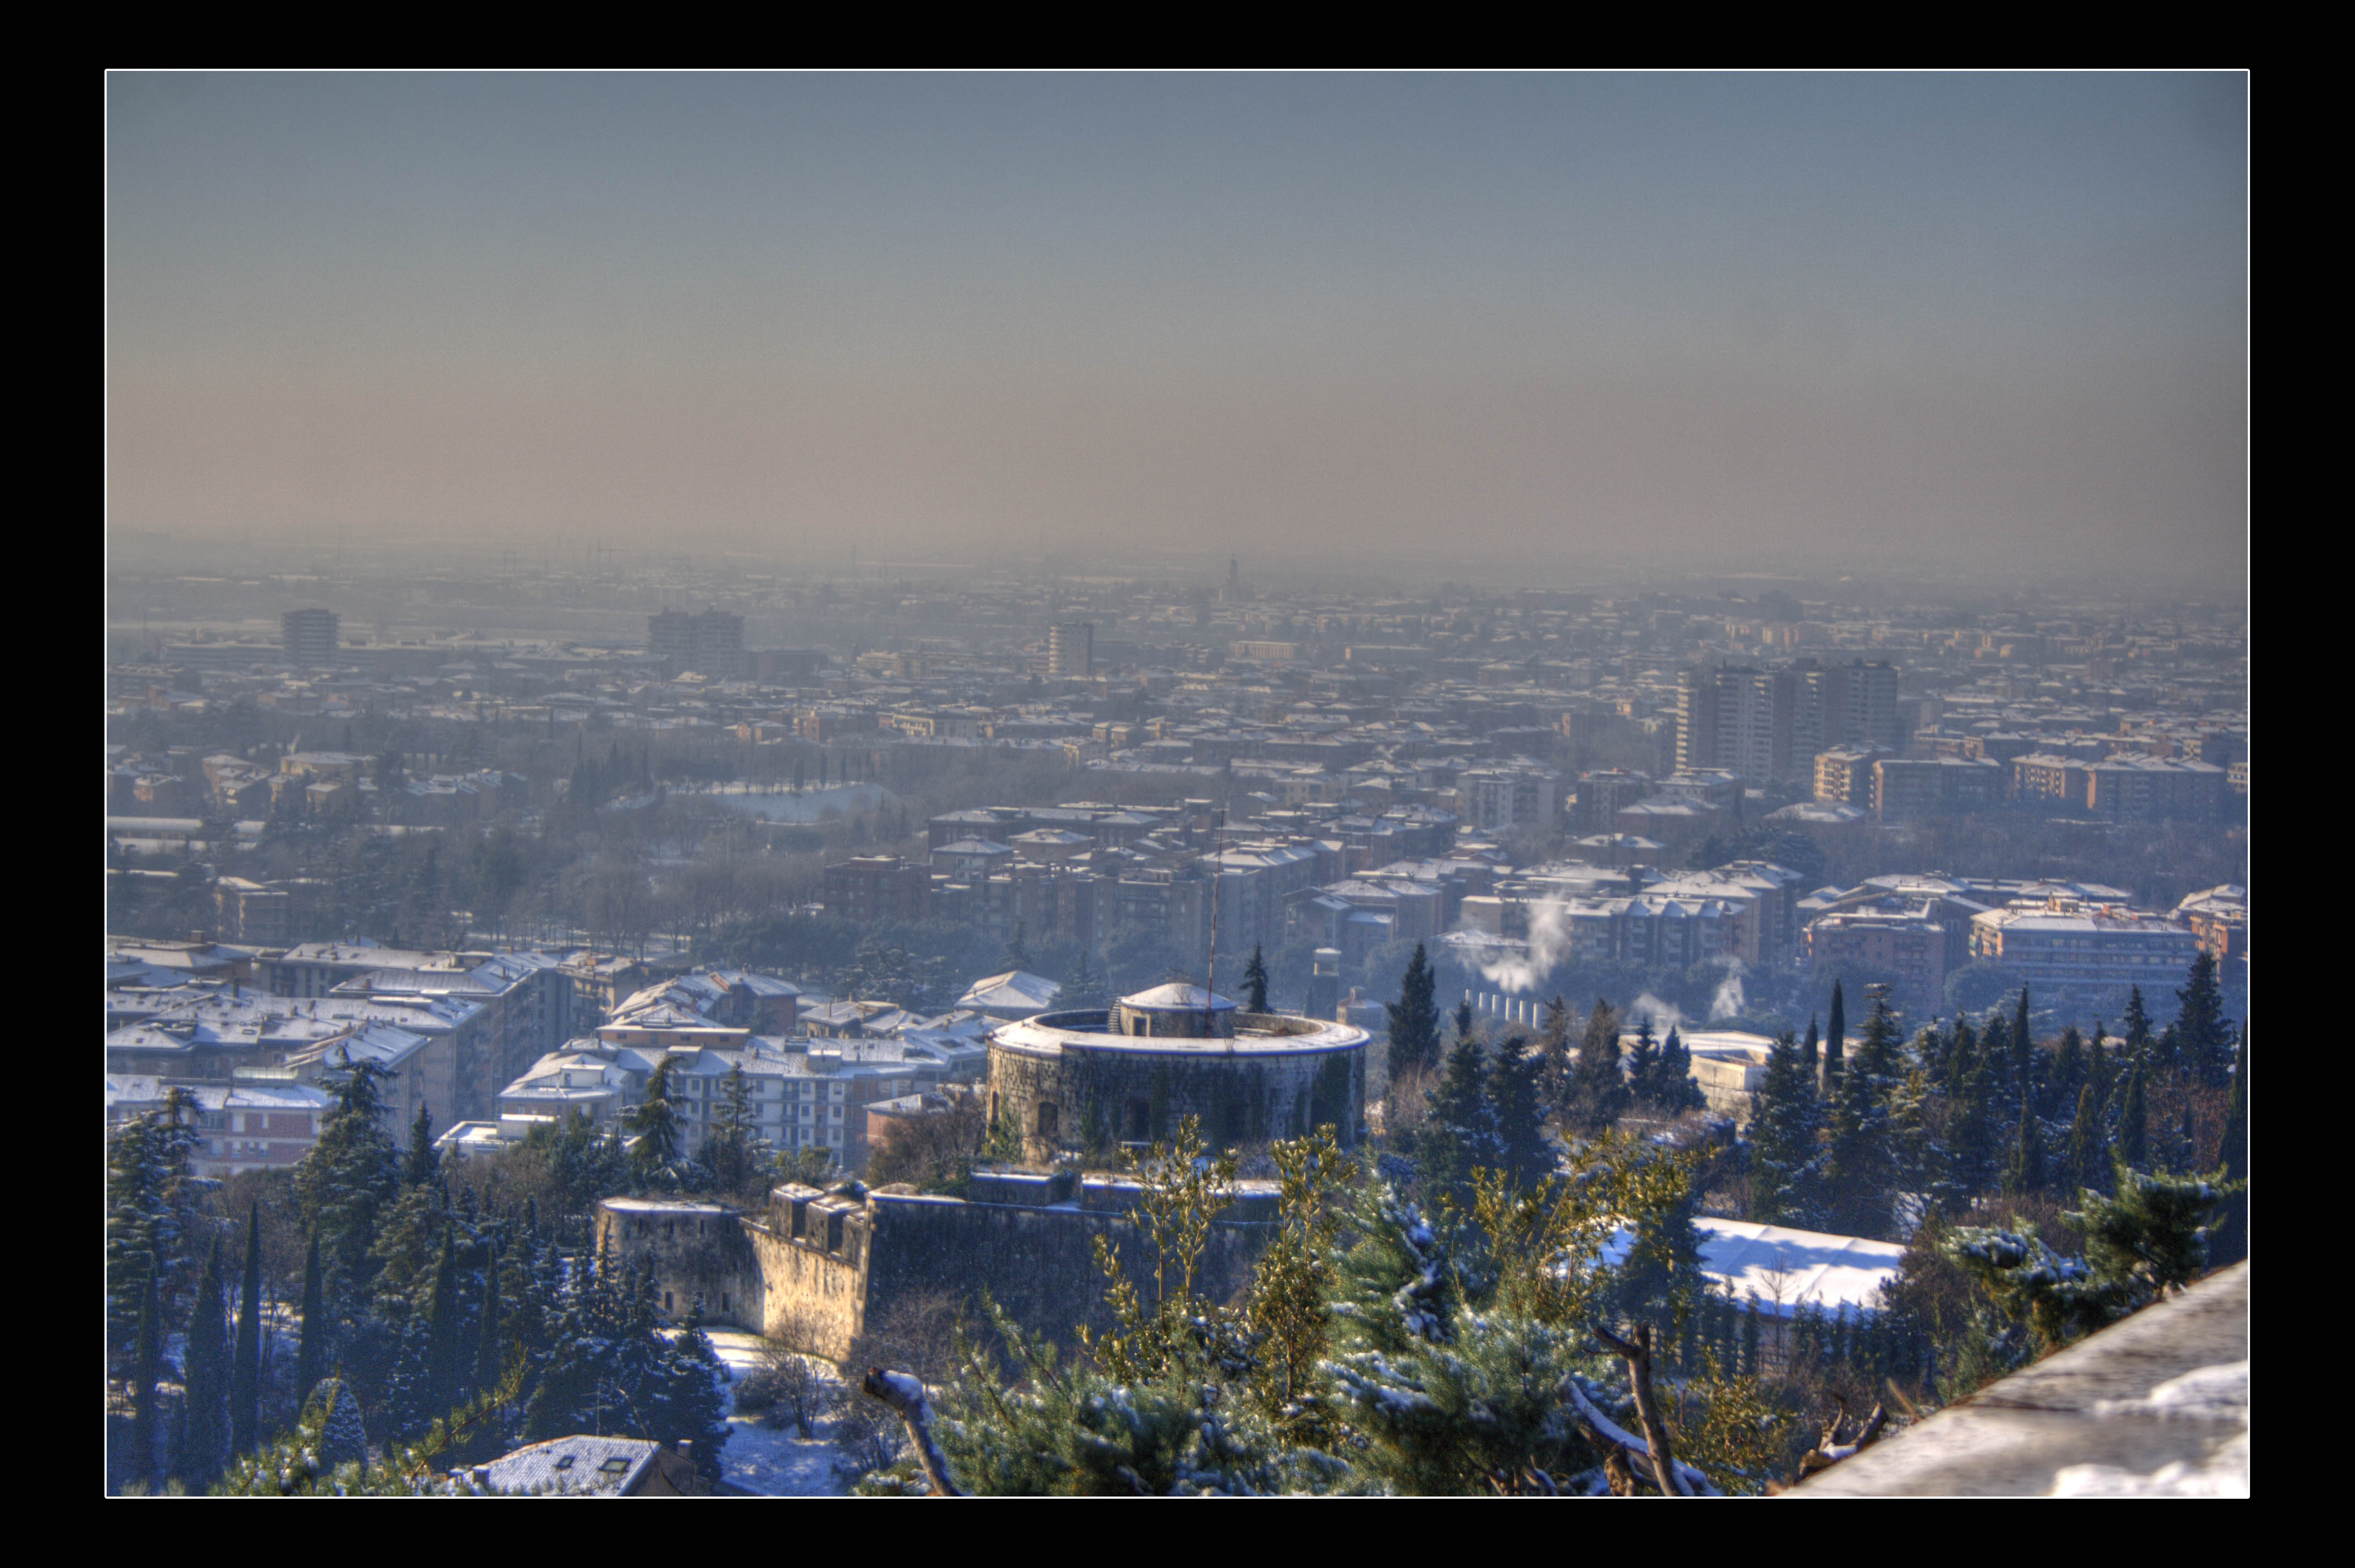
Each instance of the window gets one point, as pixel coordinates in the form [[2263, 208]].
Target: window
[[614, 1467], [564, 1461], [1047, 1117]]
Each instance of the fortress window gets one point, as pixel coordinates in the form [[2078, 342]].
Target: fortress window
[[1140, 1119], [1046, 1118]]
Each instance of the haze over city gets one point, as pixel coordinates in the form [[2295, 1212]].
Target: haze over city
[[1176, 785], [1533, 325]]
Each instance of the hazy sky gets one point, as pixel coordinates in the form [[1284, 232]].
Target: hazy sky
[[1727, 318]]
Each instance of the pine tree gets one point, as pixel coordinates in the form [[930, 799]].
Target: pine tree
[[1644, 1066], [152, 1216], [1878, 1049], [1835, 1043], [2097, 1065], [335, 1414], [2230, 1242], [345, 1182], [1598, 1089], [1680, 1090], [1520, 1112], [1254, 982], [1414, 1018], [311, 1357], [1553, 1052], [1459, 1131], [2207, 1037], [245, 1378], [490, 1358], [1973, 1136], [1783, 1161], [203, 1445], [423, 1166], [653, 1126], [2137, 1035], [2089, 1146], [1858, 1169]]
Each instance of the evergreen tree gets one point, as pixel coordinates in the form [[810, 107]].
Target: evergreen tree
[[490, 1357], [2023, 1045], [733, 1149], [1254, 982], [1878, 1049], [146, 1364], [2137, 1035], [2230, 1242], [2134, 1115], [2068, 1075], [1520, 1112], [2097, 1065], [1018, 948], [1835, 1043], [1811, 1057], [203, 1445], [1459, 1131], [1643, 1066], [1680, 1090], [423, 1166], [1750, 1349], [1660, 1280], [345, 1182], [653, 1126], [245, 1378], [1858, 1167], [152, 1216], [2025, 1175], [1783, 1161], [1973, 1136], [2207, 1037], [446, 1348], [2089, 1145], [1553, 1052], [335, 1413], [1414, 1018], [1598, 1089], [311, 1357]]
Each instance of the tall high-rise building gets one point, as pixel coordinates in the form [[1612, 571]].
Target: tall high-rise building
[[1770, 723], [1071, 650], [712, 644], [311, 636]]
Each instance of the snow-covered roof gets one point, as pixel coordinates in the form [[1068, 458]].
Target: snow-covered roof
[[1786, 1269], [1174, 998], [578, 1464], [1016, 993]]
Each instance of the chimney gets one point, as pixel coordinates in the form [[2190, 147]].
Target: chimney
[[482, 1475], [686, 1450]]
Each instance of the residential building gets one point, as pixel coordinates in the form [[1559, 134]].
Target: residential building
[[310, 637], [868, 888]]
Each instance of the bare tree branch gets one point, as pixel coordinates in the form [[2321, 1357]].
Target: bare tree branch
[[1638, 1357]]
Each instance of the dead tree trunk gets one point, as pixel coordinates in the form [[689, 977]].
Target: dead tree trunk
[[905, 1395], [1637, 1354]]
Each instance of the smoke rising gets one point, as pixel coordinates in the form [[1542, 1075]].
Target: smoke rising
[[1547, 945], [1728, 1002]]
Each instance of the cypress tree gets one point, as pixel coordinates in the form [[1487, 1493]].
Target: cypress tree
[[1811, 1057], [490, 1363], [2026, 1176], [204, 1378], [1877, 1053], [423, 1166], [2089, 1150], [245, 1378], [2133, 1119], [2023, 1045], [445, 1349], [311, 1358], [1254, 982], [2068, 1073], [146, 1361], [1835, 1043], [2230, 1242], [1749, 1366], [2097, 1065], [1553, 1053], [1414, 1018]]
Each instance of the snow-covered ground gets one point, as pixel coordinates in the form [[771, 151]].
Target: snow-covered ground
[[776, 1464]]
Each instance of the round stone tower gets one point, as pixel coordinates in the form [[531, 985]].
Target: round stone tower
[[1089, 1082]]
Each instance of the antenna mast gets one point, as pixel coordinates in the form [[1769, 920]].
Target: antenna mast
[[1211, 969]]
